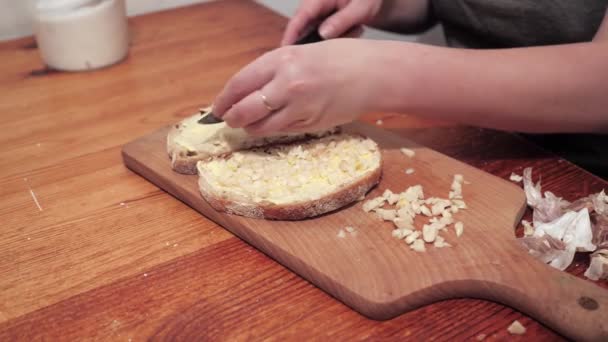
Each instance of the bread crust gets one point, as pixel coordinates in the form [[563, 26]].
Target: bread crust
[[342, 197]]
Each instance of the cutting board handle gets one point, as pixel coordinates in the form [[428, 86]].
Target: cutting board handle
[[575, 307]]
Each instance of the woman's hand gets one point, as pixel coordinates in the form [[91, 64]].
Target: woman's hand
[[304, 88], [347, 20]]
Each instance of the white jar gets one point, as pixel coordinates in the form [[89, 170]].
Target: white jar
[[76, 35]]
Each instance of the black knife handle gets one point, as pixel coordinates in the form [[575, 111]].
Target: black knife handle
[[312, 33]]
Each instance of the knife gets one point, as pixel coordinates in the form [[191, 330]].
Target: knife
[[311, 36]]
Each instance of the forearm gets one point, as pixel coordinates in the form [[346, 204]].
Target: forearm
[[404, 16], [541, 89]]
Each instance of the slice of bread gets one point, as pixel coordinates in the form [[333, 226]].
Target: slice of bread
[[292, 181], [189, 142]]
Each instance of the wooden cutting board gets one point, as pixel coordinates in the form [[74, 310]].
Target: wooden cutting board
[[377, 274]]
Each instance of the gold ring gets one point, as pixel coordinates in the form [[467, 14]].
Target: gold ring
[[266, 104]]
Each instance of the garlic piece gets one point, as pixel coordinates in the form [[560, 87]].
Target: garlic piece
[[459, 228], [412, 237], [516, 328], [403, 223], [341, 234], [373, 204], [387, 214], [440, 242], [392, 199], [460, 204], [418, 246], [425, 211], [408, 152], [401, 233], [429, 233], [515, 177], [409, 171]]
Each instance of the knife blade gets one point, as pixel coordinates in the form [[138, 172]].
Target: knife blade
[[310, 36]]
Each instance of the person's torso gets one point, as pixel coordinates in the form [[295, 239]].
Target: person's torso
[[515, 23]]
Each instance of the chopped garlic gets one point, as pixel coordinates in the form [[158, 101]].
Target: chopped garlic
[[409, 171], [387, 214], [406, 213], [392, 199], [412, 237], [439, 207], [404, 223], [373, 204], [379, 122], [341, 234], [429, 233], [401, 233], [425, 210], [416, 207], [350, 229], [459, 227], [408, 152], [460, 204], [418, 246], [440, 242], [516, 328], [446, 220], [515, 177]]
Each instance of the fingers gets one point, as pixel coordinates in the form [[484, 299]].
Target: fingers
[[249, 79], [252, 108], [276, 122], [355, 13], [306, 13]]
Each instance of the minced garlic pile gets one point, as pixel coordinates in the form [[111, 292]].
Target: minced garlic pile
[[410, 203]]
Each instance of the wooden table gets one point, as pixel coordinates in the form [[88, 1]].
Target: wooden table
[[110, 256]]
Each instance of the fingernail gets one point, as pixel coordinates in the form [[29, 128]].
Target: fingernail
[[326, 30]]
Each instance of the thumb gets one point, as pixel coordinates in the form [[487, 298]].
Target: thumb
[[354, 14]]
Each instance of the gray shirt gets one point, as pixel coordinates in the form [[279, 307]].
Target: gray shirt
[[519, 23], [514, 23]]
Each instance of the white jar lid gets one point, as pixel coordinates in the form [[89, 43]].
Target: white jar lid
[[63, 5]]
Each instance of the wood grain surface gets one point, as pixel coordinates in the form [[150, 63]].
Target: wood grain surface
[[112, 257], [378, 275]]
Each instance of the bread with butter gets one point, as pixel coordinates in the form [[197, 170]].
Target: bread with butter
[[189, 142], [292, 181]]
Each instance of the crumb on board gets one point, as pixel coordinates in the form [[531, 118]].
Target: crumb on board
[[408, 152], [515, 177], [459, 228], [409, 171], [516, 328], [341, 234]]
